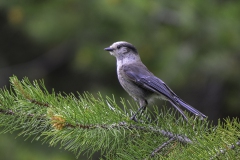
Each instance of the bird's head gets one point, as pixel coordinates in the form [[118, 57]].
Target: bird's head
[[122, 50]]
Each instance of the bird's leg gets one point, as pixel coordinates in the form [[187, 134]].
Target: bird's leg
[[143, 105], [140, 109]]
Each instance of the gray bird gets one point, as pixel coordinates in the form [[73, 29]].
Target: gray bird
[[140, 83]]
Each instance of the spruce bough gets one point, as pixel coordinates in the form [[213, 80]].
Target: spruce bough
[[85, 123]]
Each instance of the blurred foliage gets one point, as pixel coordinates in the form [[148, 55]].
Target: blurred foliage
[[17, 149], [192, 45]]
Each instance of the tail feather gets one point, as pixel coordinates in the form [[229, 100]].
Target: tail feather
[[190, 108], [179, 110]]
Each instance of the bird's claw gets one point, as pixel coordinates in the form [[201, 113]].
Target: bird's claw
[[134, 118]]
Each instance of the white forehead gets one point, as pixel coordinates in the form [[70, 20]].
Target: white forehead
[[117, 43]]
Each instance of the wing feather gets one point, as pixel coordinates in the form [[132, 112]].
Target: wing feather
[[145, 79]]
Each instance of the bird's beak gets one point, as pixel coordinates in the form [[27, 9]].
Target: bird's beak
[[108, 49]]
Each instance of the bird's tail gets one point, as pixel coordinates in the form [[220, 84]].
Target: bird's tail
[[179, 110], [190, 108]]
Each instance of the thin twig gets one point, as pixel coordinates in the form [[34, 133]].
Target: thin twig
[[7, 112], [10, 112], [180, 138], [162, 146], [27, 96]]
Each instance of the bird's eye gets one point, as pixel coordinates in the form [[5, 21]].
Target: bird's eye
[[118, 47]]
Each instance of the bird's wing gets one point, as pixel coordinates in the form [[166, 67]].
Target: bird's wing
[[142, 77]]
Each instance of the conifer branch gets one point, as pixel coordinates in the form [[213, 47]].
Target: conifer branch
[[89, 124], [223, 151], [19, 88]]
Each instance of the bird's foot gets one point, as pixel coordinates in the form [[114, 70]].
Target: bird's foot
[[134, 118]]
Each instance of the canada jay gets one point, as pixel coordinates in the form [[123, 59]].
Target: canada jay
[[140, 83]]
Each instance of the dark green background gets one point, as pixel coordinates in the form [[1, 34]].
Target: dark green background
[[194, 46]]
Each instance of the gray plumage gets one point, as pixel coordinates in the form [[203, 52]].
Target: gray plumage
[[140, 83]]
